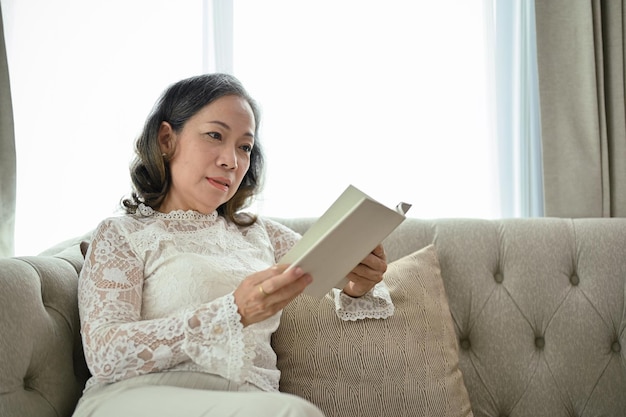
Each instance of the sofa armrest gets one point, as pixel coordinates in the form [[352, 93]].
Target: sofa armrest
[[41, 358]]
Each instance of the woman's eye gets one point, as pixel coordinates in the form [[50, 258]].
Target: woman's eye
[[246, 148], [215, 135]]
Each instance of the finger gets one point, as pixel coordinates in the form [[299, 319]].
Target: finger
[[363, 274], [288, 292], [358, 286], [275, 282], [379, 251], [263, 305], [374, 262], [264, 275], [261, 276], [262, 291]]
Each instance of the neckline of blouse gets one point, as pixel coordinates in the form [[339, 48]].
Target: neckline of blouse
[[148, 211]]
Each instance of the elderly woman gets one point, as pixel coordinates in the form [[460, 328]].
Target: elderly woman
[[179, 297]]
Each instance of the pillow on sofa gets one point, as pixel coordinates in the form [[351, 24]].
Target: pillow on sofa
[[406, 365]]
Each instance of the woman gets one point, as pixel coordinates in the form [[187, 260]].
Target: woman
[[179, 297]]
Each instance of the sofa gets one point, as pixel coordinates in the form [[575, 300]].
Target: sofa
[[531, 322]]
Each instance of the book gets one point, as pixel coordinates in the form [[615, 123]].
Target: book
[[341, 238]]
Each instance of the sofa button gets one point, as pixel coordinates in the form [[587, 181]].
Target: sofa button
[[540, 342], [616, 347], [574, 280], [499, 278], [27, 383], [465, 344]]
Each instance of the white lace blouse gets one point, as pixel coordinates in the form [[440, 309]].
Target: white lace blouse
[[146, 275]]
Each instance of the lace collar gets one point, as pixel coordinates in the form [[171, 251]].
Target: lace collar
[[147, 211]]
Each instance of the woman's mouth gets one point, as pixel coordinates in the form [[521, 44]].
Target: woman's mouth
[[220, 183]]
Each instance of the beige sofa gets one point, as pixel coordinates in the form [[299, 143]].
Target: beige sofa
[[537, 306]]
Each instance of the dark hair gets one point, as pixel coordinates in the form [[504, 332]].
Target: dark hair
[[150, 171]]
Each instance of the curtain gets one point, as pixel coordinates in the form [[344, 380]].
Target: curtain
[[580, 53], [223, 31], [217, 36], [516, 109], [7, 155]]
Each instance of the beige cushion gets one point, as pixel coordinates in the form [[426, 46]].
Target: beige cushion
[[406, 365]]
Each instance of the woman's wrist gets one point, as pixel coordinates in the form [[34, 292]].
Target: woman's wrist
[[351, 295]]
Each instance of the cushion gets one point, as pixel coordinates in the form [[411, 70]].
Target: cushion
[[405, 365]]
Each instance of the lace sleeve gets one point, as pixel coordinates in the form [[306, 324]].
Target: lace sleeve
[[376, 304], [219, 341], [118, 344], [282, 237]]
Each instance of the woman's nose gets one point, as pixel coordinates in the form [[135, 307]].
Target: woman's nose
[[228, 158]]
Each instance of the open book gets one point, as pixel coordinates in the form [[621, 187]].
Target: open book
[[341, 238]]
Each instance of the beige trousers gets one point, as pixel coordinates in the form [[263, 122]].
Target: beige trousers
[[188, 394]]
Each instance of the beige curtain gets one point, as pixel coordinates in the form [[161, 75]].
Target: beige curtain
[[7, 155], [580, 54]]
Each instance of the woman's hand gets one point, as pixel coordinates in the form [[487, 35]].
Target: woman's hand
[[265, 293], [367, 274]]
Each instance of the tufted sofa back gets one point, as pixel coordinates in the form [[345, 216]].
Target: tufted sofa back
[[538, 306]]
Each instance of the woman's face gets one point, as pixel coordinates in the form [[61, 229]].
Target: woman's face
[[209, 156]]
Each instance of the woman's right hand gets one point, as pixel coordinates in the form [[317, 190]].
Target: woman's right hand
[[263, 294]]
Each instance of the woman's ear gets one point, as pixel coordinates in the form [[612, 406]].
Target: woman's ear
[[167, 138]]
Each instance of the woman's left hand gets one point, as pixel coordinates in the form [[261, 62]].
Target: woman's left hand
[[367, 274]]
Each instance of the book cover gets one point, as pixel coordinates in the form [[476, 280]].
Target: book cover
[[341, 238]]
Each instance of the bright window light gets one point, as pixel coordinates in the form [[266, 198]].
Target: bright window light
[[388, 96], [84, 76]]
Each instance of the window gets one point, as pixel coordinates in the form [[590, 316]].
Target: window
[[84, 76], [391, 97]]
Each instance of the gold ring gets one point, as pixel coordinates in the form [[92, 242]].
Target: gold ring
[[262, 291]]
